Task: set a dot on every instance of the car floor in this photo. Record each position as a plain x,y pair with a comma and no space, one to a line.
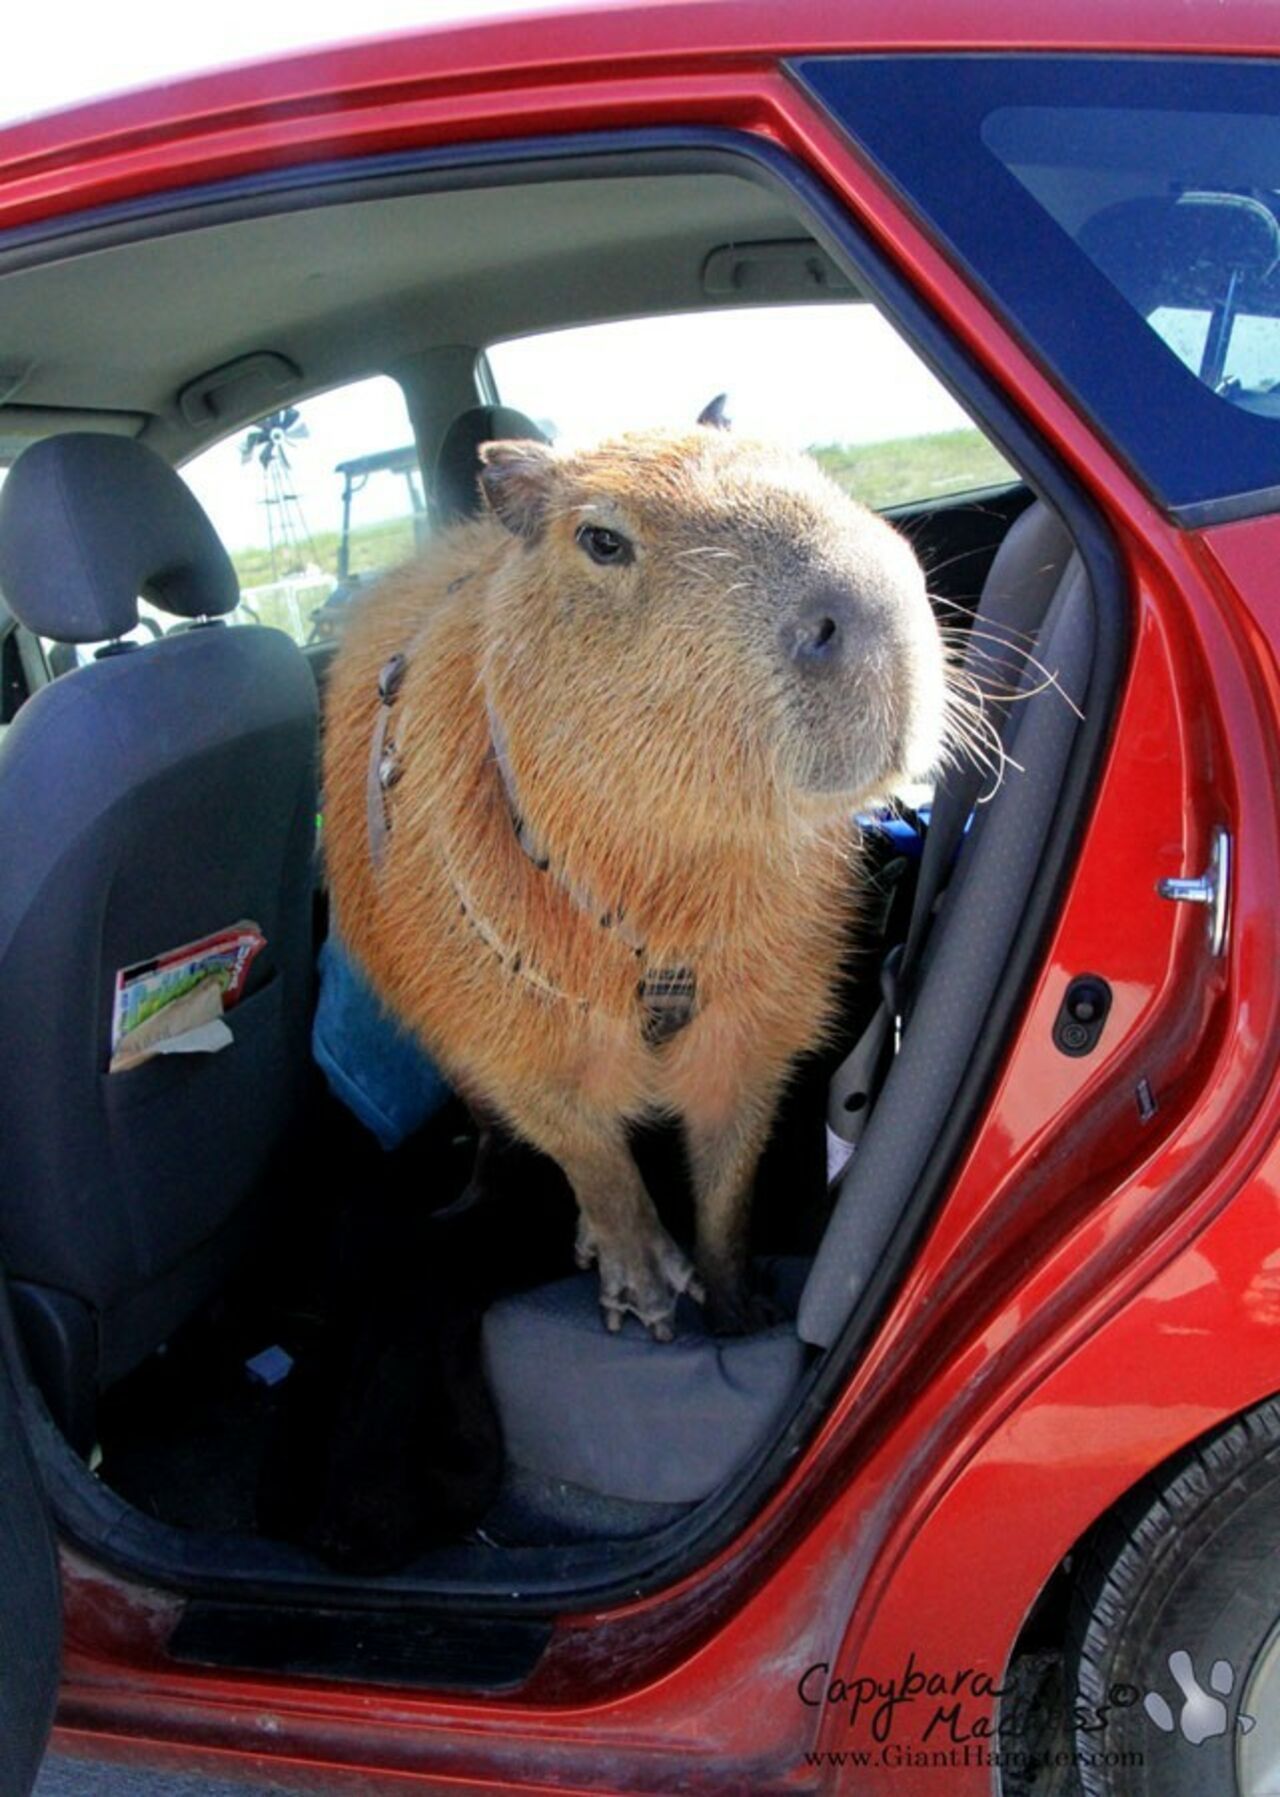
361,1247
185,1438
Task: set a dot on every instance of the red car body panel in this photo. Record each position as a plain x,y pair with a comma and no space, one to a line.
1096,1291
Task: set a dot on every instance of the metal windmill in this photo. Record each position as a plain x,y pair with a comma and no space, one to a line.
288,538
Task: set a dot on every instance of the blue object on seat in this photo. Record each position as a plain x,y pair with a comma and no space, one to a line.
372,1063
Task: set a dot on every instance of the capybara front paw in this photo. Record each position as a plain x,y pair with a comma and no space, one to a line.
642,1274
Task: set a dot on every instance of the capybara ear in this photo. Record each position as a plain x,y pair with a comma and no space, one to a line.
515,479
713,414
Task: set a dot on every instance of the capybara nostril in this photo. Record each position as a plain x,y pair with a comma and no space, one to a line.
822,637
816,638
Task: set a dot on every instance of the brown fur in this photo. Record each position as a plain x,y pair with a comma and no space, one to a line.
677,768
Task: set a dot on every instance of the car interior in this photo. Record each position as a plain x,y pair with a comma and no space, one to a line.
164,1227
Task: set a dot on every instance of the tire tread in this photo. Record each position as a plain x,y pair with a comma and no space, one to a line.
1135,1541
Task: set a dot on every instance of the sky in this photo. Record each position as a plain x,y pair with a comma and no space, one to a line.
69,50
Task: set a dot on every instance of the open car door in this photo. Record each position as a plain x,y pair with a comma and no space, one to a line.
30,1608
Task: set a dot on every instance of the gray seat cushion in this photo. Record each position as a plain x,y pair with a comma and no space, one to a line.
624,1417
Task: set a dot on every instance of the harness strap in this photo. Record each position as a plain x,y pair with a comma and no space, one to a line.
667,995
384,762
534,848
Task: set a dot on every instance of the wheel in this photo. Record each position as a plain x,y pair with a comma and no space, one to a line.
1174,1654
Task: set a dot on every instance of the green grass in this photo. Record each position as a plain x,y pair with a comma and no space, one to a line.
373,546
907,468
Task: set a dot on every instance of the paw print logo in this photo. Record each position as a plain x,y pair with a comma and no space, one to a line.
1203,1716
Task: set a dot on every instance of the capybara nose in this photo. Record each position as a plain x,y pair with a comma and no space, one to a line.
816,637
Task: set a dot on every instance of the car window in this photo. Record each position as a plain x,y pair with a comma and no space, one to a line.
1125,213
834,379
312,500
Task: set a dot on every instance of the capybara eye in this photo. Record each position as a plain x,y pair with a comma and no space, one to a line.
608,547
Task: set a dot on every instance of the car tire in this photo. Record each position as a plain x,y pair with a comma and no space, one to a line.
1174,1637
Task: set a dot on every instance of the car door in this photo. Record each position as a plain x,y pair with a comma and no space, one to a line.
692,1662
30,1608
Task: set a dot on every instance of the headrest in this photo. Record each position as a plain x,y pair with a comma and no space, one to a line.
87,523
457,491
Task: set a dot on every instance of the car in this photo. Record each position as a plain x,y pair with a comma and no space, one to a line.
993,1502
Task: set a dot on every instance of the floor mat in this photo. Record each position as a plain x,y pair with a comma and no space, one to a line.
183,1438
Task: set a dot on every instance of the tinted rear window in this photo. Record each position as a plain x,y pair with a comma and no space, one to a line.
1125,215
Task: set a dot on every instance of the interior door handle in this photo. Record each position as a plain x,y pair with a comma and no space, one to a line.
1211,888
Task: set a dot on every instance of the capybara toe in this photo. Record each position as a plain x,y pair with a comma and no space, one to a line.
644,1278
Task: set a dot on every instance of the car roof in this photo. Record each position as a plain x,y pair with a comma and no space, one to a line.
620,38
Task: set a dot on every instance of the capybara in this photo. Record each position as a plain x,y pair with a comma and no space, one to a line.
590,771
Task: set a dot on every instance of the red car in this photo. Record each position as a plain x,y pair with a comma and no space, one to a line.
993,1507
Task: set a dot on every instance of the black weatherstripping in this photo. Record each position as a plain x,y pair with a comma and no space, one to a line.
101,1522
927,121
380,1647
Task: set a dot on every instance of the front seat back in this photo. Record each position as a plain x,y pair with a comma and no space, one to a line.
148,799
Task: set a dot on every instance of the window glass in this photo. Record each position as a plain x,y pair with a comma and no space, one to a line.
1125,213
313,500
1185,329
1200,263
836,380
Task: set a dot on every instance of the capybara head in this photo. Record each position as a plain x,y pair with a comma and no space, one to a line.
664,577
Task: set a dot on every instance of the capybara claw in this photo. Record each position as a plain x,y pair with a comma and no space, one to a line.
642,1278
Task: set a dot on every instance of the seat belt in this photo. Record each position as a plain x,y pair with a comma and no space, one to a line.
859,1076
1038,546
